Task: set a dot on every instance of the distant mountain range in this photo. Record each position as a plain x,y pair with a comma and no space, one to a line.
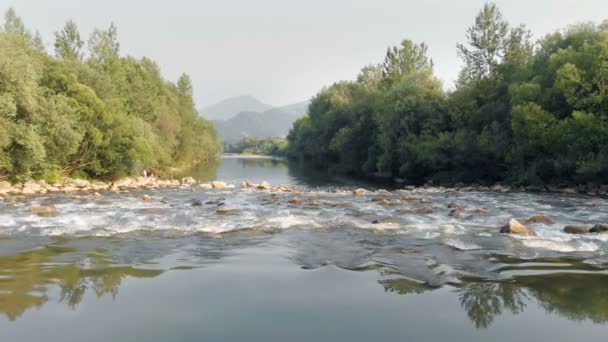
245,116
228,108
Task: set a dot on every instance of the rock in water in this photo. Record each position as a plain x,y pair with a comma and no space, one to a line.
146,198
546,219
227,211
264,186
44,210
188,181
599,228
514,227
219,185
576,229
360,192
457,213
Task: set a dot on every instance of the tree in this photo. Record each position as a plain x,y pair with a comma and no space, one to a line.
13,23
104,46
486,44
68,44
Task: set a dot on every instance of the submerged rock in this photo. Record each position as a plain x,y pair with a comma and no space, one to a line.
196,203
228,212
146,198
576,229
515,227
44,210
482,211
599,228
546,219
457,213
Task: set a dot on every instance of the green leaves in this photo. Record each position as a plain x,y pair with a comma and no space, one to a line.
520,112
108,116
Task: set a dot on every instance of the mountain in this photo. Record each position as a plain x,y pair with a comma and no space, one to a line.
274,122
228,108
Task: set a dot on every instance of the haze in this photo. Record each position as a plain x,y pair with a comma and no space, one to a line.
284,51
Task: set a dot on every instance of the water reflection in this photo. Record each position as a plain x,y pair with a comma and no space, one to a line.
575,296
25,278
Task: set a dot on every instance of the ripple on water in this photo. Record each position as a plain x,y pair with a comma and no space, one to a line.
355,230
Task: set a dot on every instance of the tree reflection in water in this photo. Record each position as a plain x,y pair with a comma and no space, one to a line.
575,296
25,278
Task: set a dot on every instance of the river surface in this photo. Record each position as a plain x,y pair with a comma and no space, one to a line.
317,264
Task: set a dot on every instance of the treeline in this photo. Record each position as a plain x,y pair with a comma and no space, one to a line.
91,112
523,112
267,147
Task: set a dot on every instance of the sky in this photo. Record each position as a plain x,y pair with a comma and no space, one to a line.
285,51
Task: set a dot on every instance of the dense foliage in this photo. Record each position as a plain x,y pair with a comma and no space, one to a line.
267,147
522,111
94,114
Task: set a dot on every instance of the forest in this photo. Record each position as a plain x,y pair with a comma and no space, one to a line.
86,111
267,146
522,111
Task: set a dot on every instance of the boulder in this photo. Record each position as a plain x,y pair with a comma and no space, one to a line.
545,219
219,185
206,186
514,227
360,192
248,184
31,187
576,229
264,186
599,228
44,210
188,181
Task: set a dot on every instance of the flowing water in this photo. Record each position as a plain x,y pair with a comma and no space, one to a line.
317,264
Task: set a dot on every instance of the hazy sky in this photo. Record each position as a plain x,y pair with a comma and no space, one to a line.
284,51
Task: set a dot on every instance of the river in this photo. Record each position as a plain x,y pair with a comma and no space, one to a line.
313,265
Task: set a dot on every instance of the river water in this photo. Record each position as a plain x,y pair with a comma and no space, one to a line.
314,265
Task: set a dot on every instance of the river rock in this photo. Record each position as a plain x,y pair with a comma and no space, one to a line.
196,203
205,186
248,184
123,183
44,210
457,213
264,186
360,192
146,198
599,228
514,227
77,183
228,212
576,229
342,204
454,205
219,185
188,181
482,211
295,201
546,219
